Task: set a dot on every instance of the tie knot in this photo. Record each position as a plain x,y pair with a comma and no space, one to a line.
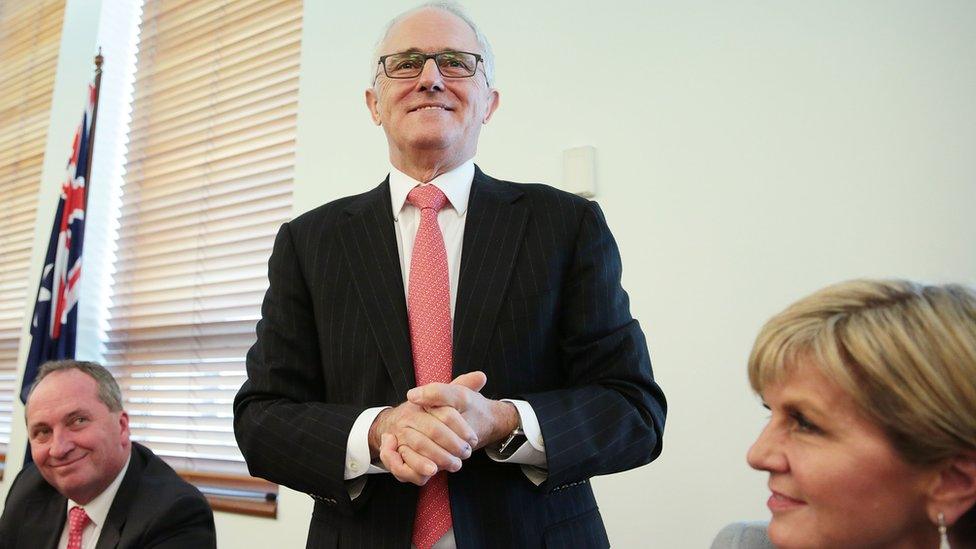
78,518
427,196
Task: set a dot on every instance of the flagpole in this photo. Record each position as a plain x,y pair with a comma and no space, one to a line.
91,132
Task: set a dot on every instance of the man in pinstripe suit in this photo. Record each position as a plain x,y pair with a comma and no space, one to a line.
552,380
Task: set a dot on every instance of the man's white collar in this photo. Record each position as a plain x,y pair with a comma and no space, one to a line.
456,185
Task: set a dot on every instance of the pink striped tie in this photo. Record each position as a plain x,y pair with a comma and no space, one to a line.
429,310
77,520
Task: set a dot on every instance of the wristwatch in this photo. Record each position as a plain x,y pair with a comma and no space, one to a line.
517,436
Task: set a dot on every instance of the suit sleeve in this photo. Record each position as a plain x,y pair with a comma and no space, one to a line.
286,430
609,415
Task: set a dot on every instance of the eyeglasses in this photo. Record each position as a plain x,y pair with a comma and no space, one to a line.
451,64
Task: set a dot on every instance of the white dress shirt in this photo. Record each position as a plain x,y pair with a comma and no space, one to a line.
456,185
97,510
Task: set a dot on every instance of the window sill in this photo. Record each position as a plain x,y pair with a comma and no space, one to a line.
236,493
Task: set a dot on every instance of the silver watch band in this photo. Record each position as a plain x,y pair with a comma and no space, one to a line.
516,432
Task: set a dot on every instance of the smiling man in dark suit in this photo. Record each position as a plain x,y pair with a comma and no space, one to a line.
445,360
89,485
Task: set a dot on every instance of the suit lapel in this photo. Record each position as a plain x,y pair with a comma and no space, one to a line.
492,236
369,242
119,511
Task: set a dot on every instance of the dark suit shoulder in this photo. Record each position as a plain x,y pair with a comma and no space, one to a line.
29,484
333,211
156,507
158,477
31,505
560,215
541,198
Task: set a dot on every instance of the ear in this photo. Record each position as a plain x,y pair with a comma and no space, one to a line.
493,100
954,490
372,103
124,424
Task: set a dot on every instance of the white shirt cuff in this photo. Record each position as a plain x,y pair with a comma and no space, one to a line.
530,425
357,446
531,456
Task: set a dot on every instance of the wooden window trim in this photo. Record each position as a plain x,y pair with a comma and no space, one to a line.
266,506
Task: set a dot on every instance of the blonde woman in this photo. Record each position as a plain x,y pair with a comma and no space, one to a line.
871,441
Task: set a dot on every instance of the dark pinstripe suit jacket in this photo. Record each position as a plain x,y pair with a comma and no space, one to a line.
539,309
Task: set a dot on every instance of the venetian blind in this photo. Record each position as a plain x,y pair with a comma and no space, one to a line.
208,182
30,36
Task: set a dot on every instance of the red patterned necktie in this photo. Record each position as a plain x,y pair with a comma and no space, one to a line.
77,520
429,309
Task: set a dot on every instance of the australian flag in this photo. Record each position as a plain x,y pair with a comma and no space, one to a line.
55,321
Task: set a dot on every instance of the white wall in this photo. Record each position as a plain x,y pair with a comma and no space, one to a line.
747,154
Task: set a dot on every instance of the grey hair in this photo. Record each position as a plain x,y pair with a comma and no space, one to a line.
487,56
108,390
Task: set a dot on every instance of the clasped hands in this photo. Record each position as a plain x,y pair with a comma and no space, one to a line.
439,426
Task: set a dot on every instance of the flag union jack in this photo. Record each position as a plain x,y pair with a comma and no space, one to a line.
54,325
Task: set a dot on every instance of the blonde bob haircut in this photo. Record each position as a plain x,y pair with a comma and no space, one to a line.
905,353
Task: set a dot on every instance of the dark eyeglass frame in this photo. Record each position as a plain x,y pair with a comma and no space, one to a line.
382,62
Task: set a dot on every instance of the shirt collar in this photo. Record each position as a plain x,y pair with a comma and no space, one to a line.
97,509
456,185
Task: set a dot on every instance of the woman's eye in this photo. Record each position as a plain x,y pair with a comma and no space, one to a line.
803,424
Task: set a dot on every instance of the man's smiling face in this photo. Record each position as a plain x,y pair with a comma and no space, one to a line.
78,444
430,114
